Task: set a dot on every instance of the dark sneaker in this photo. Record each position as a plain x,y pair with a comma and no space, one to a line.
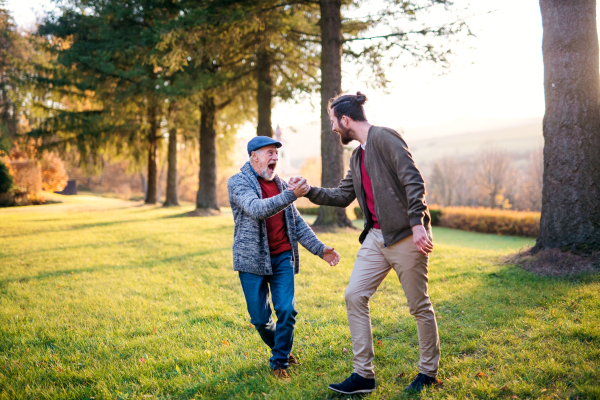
282,374
293,360
354,384
420,382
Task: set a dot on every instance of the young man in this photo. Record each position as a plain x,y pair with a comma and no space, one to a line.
397,235
268,228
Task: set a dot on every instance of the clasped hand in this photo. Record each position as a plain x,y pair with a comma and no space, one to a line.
298,185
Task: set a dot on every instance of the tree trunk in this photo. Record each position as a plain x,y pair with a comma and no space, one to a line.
570,198
331,85
151,191
160,180
171,199
207,187
264,93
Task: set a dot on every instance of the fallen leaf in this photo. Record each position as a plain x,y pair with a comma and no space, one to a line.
503,387
444,279
379,343
459,326
513,397
438,317
305,337
480,375
142,360
344,350
250,326
401,374
543,390
225,342
60,369
155,331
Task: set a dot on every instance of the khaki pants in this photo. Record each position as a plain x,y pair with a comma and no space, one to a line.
373,263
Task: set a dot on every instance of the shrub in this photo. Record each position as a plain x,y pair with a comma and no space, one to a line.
6,180
435,214
487,220
308,210
54,176
6,186
358,212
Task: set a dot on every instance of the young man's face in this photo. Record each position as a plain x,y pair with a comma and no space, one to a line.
340,127
264,161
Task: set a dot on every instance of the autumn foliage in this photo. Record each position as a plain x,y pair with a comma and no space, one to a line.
54,176
487,220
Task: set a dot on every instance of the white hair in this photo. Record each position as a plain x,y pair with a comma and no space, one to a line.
257,151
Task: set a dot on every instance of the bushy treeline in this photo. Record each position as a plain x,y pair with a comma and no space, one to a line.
134,78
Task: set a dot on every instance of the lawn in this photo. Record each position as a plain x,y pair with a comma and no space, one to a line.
103,299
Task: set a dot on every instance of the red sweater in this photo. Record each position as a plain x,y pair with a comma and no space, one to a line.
276,234
366,181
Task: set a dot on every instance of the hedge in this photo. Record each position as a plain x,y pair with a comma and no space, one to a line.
487,220
308,210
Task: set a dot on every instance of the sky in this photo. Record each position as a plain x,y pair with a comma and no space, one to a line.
496,76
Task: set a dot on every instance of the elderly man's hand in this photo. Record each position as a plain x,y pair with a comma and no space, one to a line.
330,255
299,186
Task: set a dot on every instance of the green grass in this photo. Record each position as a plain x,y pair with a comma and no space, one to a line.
100,299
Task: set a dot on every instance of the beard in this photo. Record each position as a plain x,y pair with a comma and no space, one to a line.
345,135
266,175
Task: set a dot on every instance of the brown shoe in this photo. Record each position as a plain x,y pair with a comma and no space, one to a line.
293,360
281,374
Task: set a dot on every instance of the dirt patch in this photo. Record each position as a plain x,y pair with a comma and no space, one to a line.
555,262
203,212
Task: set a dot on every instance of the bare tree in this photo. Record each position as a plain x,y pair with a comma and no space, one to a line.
494,168
446,181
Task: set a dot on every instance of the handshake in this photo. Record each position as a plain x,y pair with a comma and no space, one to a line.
298,185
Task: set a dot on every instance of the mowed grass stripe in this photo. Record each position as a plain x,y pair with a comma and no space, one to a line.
102,299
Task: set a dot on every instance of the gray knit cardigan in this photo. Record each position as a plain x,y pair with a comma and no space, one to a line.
250,244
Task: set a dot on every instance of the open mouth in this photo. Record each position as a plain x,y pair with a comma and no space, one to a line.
271,167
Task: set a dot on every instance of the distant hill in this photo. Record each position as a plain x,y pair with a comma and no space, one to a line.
460,138
520,139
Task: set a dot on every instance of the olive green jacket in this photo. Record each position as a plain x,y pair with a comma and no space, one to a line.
398,187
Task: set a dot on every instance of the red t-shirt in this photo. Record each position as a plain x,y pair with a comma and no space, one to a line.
276,234
366,181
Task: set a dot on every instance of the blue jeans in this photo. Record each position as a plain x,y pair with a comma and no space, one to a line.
279,337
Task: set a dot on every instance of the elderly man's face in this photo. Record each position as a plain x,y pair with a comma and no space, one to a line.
264,161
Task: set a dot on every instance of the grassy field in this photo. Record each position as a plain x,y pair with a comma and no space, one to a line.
101,299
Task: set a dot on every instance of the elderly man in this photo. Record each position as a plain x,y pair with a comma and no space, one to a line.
268,228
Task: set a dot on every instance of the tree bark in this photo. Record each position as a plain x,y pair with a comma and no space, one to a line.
331,85
151,191
207,187
570,199
171,199
264,93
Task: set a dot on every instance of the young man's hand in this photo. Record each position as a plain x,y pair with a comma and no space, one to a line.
424,245
330,255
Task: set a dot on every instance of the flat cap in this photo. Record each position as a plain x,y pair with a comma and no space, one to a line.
261,141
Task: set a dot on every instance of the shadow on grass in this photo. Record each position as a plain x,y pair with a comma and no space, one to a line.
77,227
146,264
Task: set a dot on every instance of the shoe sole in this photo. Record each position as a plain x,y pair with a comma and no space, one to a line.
354,392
